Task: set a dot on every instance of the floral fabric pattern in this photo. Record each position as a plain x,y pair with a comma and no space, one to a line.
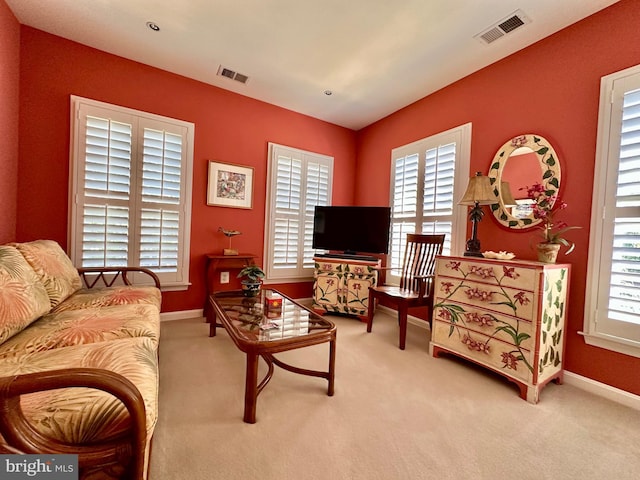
104,297
23,298
54,268
86,415
77,327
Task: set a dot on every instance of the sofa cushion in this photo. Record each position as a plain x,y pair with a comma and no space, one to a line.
86,415
77,327
23,297
54,267
103,297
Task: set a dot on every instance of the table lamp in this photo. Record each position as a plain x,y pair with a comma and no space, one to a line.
479,192
506,195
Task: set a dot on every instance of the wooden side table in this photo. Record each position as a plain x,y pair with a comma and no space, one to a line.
213,263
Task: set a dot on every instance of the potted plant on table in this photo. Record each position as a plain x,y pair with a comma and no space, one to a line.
252,275
546,205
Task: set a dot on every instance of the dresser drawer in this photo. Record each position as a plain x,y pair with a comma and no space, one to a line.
511,330
495,298
505,273
484,349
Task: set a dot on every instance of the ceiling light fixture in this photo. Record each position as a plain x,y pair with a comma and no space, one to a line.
153,26
328,93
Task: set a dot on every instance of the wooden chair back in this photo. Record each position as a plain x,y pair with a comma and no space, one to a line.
419,261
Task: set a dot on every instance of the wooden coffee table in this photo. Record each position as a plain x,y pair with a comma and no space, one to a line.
245,320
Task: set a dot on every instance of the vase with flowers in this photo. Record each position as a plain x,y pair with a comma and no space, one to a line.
545,206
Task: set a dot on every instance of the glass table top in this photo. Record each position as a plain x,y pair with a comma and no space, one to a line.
269,316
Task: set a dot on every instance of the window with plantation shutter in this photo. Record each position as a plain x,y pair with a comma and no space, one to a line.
130,199
298,181
427,177
613,301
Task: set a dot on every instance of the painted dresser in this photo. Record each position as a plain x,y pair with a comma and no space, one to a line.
341,285
508,316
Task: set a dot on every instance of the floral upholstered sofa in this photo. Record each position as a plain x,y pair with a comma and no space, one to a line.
78,360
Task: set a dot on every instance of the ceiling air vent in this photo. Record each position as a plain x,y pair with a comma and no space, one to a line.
504,26
227,72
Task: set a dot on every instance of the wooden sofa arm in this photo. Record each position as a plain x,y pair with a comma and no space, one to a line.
109,275
21,437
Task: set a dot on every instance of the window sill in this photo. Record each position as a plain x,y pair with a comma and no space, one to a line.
175,287
615,344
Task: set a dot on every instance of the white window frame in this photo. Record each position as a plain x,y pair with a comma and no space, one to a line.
599,330
80,107
461,136
300,272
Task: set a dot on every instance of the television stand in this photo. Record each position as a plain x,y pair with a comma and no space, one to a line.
341,283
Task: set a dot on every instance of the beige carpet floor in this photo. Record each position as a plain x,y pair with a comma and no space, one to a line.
395,415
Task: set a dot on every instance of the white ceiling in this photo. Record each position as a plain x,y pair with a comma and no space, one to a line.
376,56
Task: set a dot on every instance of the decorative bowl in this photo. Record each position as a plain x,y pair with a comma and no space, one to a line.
502,255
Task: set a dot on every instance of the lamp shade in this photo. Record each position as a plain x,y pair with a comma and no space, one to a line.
507,196
478,191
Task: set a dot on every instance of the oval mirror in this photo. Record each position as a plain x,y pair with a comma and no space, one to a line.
520,163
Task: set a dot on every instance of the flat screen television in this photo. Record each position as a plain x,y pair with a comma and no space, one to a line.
351,230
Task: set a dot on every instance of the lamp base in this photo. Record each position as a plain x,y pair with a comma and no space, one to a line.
473,246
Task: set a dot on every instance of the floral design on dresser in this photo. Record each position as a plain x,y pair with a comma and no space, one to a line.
490,293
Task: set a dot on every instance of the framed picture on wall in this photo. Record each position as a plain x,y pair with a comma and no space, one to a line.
230,185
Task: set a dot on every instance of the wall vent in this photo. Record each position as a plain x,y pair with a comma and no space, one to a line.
504,26
227,72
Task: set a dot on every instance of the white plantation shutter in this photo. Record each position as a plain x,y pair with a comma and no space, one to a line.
624,297
613,301
131,190
299,181
404,208
439,201
161,206
424,190
316,193
287,211
107,177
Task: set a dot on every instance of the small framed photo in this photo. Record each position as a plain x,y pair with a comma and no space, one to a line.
230,185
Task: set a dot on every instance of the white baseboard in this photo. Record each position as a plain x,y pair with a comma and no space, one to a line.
603,390
597,388
181,315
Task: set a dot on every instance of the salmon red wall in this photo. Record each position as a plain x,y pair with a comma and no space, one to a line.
228,128
9,95
552,89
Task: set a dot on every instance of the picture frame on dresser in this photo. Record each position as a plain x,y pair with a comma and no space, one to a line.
229,185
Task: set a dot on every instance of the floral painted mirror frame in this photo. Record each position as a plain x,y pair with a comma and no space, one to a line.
550,176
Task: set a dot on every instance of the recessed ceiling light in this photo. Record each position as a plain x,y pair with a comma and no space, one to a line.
328,92
153,26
